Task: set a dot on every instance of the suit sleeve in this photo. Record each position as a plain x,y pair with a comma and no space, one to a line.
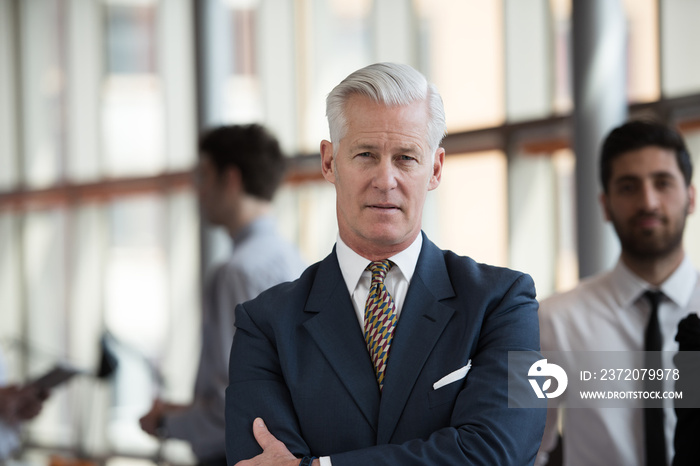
257,389
483,429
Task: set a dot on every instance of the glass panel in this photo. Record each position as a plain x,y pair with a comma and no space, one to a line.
243,94
567,254
277,68
395,31
680,44
528,59
43,76
336,43
471,207
136,314
181,352
472,87
89,396
8,140
152,309
542,221
45,294
85,71
133,124
691,239
531,202
563,62
176,62
11,339
306,216
643,44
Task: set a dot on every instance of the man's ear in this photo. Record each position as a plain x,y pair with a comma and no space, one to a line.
691,199
327,162
438,162
605,205
232,179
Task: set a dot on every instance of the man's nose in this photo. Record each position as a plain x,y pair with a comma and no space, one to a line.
385,175
650,196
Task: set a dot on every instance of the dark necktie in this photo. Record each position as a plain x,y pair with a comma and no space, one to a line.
654,416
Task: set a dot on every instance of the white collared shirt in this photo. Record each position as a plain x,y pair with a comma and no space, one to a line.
609,313
358,279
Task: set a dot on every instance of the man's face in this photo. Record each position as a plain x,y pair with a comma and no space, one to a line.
382,171
647,202
212,192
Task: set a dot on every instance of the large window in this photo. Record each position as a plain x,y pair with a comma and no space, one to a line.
99,229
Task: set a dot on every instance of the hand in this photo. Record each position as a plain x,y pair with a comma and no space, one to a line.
275,453
20,404
31,400
150,422
9,398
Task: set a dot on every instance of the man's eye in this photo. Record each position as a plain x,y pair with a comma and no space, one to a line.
364,154
406,158
625,188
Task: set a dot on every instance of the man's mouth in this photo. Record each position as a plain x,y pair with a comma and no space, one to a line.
648,221
386,207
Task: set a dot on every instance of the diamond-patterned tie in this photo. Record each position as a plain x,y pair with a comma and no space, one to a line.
380,318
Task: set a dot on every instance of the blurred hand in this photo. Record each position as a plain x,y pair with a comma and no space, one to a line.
31,400
150,422
9,397
20,404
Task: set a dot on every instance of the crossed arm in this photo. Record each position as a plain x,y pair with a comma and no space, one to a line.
274,453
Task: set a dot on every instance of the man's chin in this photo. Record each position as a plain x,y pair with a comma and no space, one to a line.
386,237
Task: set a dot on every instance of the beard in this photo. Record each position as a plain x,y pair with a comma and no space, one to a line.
649,244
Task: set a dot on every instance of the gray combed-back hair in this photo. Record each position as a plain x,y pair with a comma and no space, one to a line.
392,84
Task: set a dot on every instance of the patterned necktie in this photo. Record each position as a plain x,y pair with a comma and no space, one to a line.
655,440
380,318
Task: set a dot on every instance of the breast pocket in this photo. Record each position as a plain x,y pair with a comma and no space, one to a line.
445,394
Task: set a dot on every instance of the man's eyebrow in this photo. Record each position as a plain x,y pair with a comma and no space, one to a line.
626,178
363,146
630,177
409,149
373,147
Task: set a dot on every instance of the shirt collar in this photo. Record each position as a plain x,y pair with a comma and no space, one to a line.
352,265
678,287
264,223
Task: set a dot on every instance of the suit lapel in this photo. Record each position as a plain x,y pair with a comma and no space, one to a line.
337,333
423,319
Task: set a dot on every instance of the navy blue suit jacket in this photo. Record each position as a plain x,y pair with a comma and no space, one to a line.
300,362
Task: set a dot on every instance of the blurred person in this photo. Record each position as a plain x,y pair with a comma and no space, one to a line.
390,351
239,170
17,404
646,173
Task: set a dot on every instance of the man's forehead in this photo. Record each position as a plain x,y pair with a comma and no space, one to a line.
645,161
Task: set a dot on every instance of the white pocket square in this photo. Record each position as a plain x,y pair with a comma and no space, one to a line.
459,374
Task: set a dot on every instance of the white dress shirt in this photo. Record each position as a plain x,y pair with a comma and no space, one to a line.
609,313
358,280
